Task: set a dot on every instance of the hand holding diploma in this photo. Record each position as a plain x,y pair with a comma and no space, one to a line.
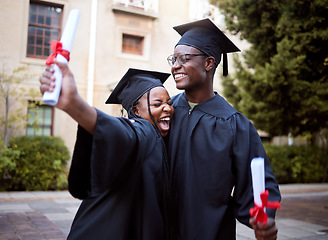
69,99
61,54
264,227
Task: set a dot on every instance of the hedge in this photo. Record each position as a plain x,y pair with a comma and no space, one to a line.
41,165
298,164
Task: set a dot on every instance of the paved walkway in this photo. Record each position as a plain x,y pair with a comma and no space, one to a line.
49,215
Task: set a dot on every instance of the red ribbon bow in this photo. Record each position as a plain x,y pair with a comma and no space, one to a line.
57,47
259,212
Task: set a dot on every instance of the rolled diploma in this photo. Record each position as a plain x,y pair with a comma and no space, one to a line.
51,98
257,169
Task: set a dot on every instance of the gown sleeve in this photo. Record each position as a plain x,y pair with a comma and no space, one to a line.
104,160
247,145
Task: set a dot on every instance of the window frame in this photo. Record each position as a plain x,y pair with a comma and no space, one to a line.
136,51
44,26
40,126
145,34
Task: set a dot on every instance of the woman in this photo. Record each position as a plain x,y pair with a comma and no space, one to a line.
119,166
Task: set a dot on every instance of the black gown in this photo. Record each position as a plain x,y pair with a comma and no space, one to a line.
210,149
118,174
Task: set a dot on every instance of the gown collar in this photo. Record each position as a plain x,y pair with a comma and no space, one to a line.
216,106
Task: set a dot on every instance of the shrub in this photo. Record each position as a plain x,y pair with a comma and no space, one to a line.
8,158
41,164
298,164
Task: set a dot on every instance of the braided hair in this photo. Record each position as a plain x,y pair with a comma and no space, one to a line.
170,226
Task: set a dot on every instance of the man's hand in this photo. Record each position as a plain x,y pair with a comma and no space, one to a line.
266,231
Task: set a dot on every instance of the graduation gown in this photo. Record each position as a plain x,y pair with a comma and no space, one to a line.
118,174
210,150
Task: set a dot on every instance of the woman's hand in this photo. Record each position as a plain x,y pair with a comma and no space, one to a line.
69,99
68,94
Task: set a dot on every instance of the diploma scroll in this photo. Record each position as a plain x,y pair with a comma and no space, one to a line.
258,179
261,202
51,98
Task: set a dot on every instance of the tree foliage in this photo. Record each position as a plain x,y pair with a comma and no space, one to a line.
13,93
281,83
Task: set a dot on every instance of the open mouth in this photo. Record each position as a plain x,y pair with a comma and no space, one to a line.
164,123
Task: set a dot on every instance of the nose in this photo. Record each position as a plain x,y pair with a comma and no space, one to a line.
167,108
176,64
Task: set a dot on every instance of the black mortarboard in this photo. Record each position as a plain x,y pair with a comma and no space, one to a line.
134,84
208,38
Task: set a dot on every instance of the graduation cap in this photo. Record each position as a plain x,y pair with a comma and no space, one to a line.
208,38
134,84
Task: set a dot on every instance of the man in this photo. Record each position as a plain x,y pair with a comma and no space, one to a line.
211,145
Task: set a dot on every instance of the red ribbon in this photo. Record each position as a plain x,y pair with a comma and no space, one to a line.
57,47
258,212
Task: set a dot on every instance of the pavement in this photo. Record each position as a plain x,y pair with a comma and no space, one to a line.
49,215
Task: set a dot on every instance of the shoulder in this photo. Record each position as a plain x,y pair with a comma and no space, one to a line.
143,128
179,100
122,127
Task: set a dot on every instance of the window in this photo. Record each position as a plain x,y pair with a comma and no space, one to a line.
44,26
132,44
39,121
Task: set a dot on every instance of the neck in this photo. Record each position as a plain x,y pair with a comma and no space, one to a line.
199,95
202,91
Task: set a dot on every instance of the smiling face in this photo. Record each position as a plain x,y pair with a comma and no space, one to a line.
160,107
191,74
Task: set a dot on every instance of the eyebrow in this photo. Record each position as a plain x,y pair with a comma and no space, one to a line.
182,53
159,100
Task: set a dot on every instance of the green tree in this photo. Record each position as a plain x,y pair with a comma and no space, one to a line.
11,93
281,83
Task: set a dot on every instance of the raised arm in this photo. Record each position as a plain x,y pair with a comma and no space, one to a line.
69,100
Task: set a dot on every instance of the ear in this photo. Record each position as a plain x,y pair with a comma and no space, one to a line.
135,109
209,63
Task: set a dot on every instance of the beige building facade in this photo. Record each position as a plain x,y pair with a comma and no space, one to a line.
112,36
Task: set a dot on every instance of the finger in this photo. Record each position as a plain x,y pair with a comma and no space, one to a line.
269,224
266,233
46,88
50,69
47,80
47,84
47,75
62,66
252,222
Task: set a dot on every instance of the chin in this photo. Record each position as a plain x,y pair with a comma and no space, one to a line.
180,87
164,134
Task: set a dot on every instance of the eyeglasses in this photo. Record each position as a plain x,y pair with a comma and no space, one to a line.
181,58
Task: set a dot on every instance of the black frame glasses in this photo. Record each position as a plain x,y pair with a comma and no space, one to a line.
181,58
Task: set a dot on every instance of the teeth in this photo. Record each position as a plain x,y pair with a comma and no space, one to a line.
165,119
179,75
